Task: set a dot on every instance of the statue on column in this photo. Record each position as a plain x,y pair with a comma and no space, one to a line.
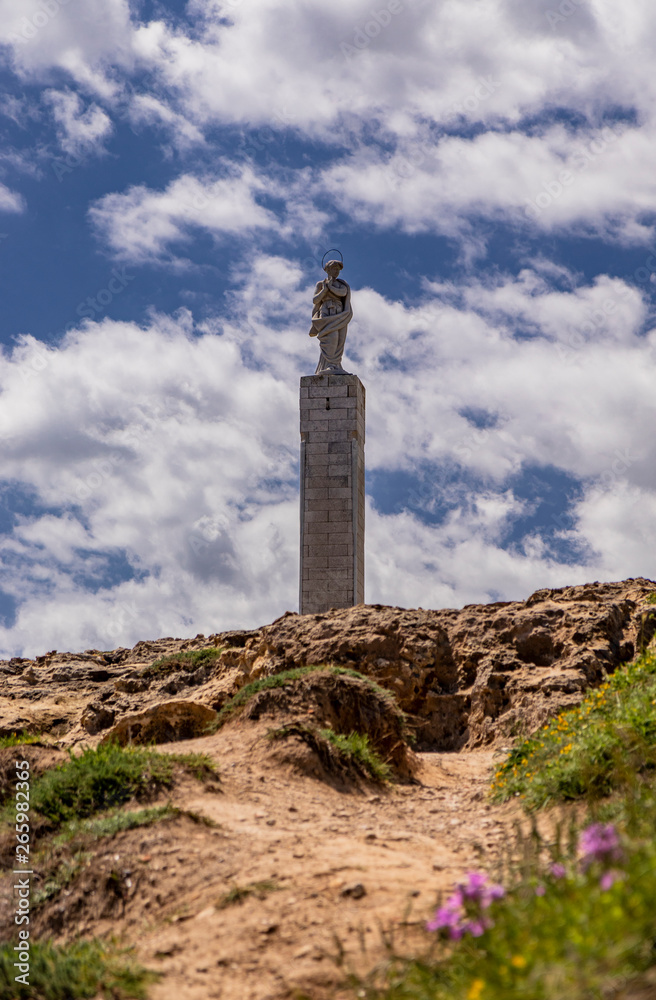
330,318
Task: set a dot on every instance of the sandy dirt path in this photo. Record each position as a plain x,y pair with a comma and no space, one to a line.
346,865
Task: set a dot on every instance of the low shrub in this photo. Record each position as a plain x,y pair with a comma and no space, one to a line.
588,751
82,969
356,747
109,776
190,660
19,739
114,822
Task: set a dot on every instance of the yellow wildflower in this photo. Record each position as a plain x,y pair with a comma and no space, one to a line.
475,989
518,961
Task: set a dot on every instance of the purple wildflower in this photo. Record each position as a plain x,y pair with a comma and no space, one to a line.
447,916
558,870
475,927
475,885
479,890
599,842
608,879
463,911
495,892
540,890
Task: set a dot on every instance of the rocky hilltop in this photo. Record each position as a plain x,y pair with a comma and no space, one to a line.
274,877
466,678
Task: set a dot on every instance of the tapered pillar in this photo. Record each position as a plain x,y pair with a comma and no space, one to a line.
332,492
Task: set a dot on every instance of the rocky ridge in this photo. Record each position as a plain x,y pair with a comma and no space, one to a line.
351,863
466,678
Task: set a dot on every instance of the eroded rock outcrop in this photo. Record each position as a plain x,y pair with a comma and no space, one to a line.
473,676
470,677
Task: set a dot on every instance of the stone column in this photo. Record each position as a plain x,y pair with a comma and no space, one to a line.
332,492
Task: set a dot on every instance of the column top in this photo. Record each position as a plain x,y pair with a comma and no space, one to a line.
329,380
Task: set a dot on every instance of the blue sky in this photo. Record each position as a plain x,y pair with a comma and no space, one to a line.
170,177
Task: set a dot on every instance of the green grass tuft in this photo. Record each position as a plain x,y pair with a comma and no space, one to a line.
104,778
99,779
287,677
114,822
191,659
590,750
82,970
239,893
18,739
356,747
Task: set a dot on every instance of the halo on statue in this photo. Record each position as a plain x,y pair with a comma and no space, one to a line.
332,250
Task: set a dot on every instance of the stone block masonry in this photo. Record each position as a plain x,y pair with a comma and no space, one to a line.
332,492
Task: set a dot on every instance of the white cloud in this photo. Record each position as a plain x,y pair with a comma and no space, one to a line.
10,201
87,39
142,224
265,62
594,181
162,460
173,449
421,68
146,109
79,130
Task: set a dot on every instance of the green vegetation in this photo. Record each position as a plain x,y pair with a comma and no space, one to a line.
239,893
18,739
190,660
352,749
58,879
82,969
356,747
570,914
80,832
589,750
114,822
106,777
566,925
287,677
